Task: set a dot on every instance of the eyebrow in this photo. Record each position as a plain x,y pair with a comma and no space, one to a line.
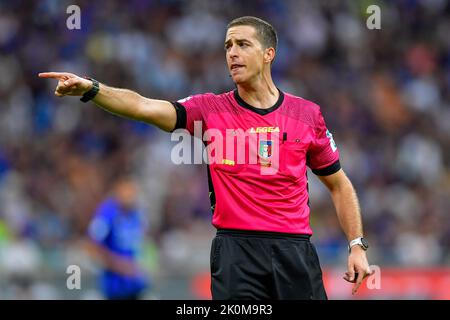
237,40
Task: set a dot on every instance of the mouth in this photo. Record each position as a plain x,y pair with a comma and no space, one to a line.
235,67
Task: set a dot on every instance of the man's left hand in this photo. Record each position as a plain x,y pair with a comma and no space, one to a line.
358,267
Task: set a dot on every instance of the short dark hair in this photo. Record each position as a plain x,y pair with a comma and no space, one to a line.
265,32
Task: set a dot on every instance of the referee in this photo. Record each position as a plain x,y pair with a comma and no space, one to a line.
262,248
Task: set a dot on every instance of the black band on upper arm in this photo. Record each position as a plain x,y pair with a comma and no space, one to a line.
181,115
332,168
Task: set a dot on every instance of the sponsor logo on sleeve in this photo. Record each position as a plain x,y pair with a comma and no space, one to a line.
332,143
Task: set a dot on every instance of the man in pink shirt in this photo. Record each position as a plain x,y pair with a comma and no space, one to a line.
263,139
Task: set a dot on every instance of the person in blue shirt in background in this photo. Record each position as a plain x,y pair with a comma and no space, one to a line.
117,233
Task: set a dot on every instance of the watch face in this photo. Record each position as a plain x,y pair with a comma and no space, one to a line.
365,243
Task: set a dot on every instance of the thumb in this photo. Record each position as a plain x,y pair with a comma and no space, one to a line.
70,82
351,271
351,275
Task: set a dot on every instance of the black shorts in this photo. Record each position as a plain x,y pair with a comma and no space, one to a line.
261,265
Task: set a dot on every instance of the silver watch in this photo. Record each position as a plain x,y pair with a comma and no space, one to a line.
363,243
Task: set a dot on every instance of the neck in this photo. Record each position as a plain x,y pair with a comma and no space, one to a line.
260,94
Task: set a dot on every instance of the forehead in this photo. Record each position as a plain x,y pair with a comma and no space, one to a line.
241,32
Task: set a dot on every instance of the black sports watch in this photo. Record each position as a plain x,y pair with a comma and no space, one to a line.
89,95
363,243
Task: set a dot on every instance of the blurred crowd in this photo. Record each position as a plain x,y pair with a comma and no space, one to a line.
384,94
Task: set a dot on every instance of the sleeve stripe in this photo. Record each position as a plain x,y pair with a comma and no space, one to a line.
332,168
181,116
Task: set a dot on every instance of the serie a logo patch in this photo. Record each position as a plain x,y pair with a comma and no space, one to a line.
332,143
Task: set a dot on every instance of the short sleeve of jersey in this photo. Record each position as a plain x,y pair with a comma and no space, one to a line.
323,154
100,226
192,110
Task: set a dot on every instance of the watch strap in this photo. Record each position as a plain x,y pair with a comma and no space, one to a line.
89,95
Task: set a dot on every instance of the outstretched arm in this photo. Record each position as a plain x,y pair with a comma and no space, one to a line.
122,102
348,212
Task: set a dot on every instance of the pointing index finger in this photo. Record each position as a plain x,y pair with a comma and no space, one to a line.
359,280
53,75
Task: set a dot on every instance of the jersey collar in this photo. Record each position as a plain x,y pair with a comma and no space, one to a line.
259,111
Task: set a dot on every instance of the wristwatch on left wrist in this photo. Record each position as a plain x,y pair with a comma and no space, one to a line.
363,243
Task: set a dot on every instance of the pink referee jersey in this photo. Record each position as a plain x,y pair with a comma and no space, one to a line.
257,168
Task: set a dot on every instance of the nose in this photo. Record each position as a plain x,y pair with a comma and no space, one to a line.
233,51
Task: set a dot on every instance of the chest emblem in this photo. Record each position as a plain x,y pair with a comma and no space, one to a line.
265,152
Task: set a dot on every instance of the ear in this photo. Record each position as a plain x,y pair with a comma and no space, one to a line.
269,55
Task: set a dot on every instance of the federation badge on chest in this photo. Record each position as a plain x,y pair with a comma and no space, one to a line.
265,152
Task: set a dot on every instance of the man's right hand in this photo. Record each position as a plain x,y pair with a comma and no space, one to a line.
69,84
122,102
